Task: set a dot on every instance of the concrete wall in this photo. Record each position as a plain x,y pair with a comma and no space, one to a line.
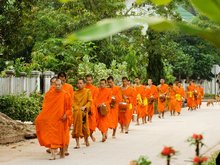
25,84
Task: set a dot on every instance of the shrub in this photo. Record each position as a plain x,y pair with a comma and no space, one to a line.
212,159
21,107
209,96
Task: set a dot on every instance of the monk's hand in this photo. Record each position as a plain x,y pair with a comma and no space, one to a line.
64,117
83,108
125,97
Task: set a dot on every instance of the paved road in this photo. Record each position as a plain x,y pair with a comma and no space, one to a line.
142,140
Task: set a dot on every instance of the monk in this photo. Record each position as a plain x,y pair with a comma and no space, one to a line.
200,90
115,99
69,89
52,87
146,94
151,96
102,104
139,107
92,112
81,106
53,81
180,96
191,96
53,122
128,96
172,99
162,92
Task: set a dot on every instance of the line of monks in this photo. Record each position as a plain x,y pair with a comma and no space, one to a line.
104,107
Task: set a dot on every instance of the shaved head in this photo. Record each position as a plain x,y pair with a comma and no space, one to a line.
58,84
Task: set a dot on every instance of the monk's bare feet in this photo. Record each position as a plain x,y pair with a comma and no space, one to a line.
77,147
52,158
62,153
93,138
53,155
48,151
113,137
103,139
87,144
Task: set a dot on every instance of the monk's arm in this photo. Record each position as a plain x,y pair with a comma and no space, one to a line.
118,96
68,108
89,101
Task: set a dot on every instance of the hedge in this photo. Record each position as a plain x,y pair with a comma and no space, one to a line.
21,107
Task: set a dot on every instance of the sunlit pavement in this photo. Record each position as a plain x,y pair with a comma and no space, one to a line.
146,140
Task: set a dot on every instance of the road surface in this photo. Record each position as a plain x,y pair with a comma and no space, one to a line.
146,140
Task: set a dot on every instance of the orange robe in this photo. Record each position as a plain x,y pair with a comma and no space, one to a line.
200,95
179,95
152,92
69,89
147,94
140,109
125,117
113,114
103,96
190,96
51,131
92,113
172,98
162,91
82,98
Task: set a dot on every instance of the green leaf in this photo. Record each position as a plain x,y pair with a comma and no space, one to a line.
161,2
210,35
210,8
65,1
139,2
186,16
110,27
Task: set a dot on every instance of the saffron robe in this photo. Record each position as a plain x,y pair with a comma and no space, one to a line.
140,108
125,117
152,93
172,98
113,114
51,131
92,113
82,98
162,91
179,95
190,96
103,96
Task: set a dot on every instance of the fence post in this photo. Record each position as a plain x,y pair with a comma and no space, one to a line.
47,75
10,76
23,82
34,82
